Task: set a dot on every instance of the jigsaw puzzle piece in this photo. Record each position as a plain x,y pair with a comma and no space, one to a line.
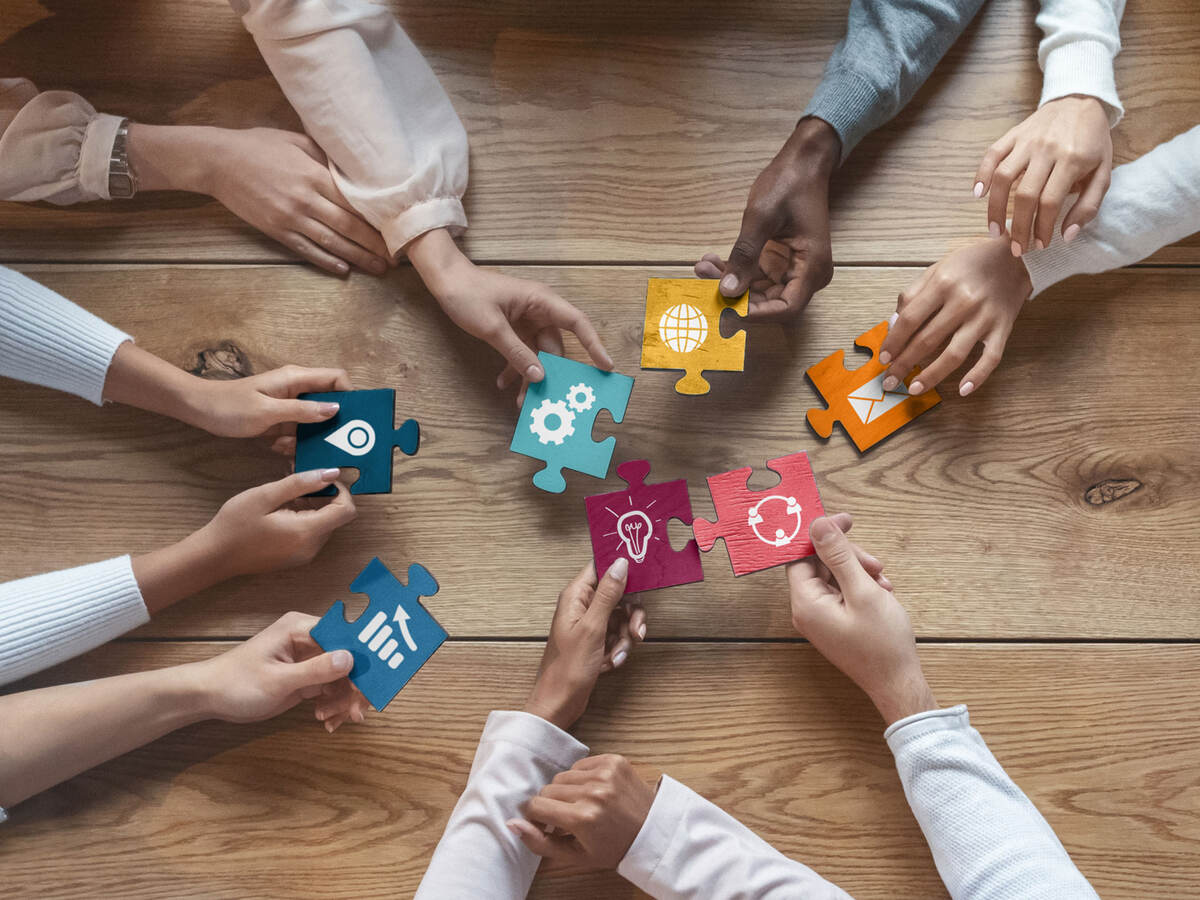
556,419
682,330
633,524
856,397
393,637
361,436
762,529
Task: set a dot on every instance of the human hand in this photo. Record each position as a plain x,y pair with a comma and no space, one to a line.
972,296
277,181
597,807
1064,147
275,670
592,632
259,531
782,254
855,622
516,317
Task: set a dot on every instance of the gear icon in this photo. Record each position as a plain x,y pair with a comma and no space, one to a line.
566,419
581,397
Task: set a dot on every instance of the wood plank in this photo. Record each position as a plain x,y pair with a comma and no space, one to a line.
604,131
987,511
791,748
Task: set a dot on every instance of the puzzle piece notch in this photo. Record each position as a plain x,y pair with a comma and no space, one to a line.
392,639
837,384
644,510
361,435
697,305
556,419
766,528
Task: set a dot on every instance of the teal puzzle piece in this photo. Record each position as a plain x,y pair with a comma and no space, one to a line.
360,435
556,420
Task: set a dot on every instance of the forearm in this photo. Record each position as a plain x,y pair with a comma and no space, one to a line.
173,157
888,51
138,378
1080,39
57,732
987,839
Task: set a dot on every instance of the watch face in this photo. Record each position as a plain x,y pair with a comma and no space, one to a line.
120,186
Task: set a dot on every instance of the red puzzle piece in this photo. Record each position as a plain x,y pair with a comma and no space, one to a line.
633,524
763,528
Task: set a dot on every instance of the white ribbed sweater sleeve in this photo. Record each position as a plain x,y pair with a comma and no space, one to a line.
478,856
46,339
1080,39
46,619
1153,201
988,840
396,147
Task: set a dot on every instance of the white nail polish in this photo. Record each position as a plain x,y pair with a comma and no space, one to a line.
978,189
966,388
619,658
642,631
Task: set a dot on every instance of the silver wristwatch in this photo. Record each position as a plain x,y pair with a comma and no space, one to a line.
122,182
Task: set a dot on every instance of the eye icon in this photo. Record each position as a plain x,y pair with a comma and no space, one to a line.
356,437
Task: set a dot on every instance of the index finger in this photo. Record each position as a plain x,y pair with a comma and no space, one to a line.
337,512
564,315
305,380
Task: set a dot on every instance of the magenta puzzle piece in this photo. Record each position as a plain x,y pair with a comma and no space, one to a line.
633,524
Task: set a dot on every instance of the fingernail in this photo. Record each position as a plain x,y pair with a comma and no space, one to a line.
518,827
1039,245
329,727
892,319
994,229
978,189
328,409
342,268
341,659
619,658
619,569
890,382
1071,233
330,474
642,631
871,559
916,388
729,284
965,388
320,715
1016,249
885,357
534,372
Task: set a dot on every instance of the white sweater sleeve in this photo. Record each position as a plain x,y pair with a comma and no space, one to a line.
518,755
690,849
396,147
988,840
46,619
46,339
1079,40
1153,201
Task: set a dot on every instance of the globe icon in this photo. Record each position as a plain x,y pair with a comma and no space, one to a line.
683,328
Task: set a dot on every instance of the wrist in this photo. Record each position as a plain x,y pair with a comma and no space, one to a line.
172,157
558,706
167,575
138,378
437,259
814,146
191,692
905,696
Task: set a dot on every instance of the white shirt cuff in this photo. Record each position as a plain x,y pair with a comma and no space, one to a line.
657,834
1082,67
918,725
535,735
440,212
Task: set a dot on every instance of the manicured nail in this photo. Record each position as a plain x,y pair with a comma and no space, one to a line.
965,388
330,474
642,631
329,726
994,229
320,715
619,569
916,388
519,827
619,658
342,268
1039,245
328,409
534,372
1016,249
729,284
1071,233
890,382
892,319
885,357
978,189
342,660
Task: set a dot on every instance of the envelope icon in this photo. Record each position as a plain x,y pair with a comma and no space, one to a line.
871,401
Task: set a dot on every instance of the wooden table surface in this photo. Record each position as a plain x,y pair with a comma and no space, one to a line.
1044,534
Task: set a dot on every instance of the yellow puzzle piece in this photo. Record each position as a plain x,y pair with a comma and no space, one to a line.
683,331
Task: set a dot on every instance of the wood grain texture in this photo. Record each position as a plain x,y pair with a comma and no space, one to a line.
600,131
1101,738
1060,501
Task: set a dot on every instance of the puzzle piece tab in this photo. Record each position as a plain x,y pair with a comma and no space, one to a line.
763,528
360,435
393,637
683,331
556,420
856,397
633,523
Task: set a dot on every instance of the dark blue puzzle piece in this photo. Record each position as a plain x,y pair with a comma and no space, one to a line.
360,436
393,637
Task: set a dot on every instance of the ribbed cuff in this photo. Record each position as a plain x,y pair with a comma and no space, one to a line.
95,153
1082,67
46,619
1050,266
916,726
440,212
534,734
658,833
845,100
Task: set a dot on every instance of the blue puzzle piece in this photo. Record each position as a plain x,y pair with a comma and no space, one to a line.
556,420
360,435
393,637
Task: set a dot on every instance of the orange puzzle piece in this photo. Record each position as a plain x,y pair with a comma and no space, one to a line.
856,398
683,331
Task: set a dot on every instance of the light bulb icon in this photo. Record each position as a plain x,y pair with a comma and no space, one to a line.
356,437
634,529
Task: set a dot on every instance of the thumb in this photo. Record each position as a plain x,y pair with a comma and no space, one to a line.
743,258
319,670
301,410
550,846
609,592
518,354
277,493
839,555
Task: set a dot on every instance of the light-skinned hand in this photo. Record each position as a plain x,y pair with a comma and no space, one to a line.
597,807
857,624
592,632
1063,148
971,297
